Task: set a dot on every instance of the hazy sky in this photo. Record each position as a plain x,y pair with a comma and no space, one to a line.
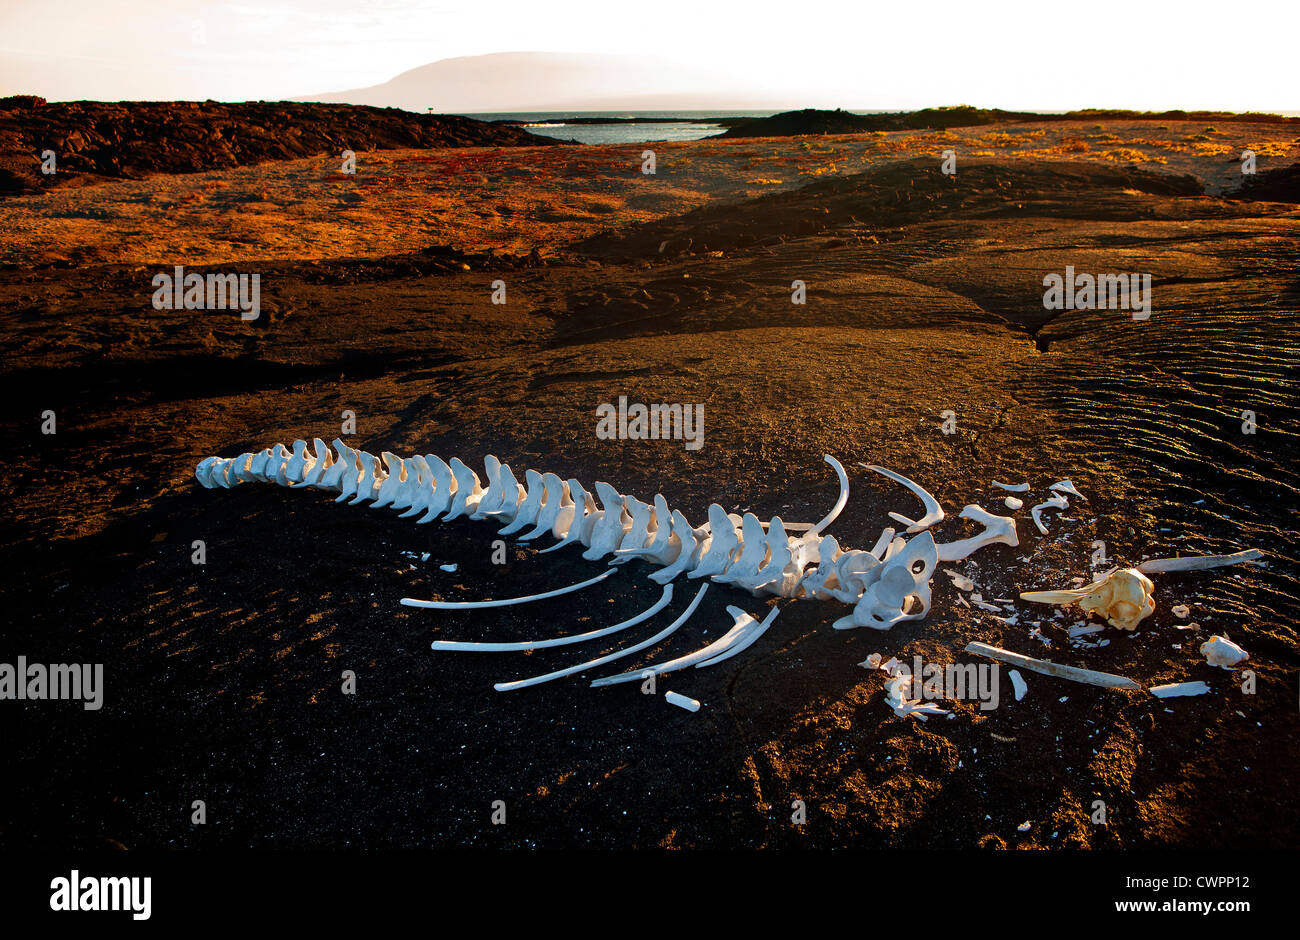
1149,54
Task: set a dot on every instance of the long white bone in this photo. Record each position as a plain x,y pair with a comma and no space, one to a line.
665,598
740,637
1058,501
505,602
617,654
1198,562
933,512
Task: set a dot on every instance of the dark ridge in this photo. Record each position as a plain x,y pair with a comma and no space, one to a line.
813,121
1280,185
98,140
893,195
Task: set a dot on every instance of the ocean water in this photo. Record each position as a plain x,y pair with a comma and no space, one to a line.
553,124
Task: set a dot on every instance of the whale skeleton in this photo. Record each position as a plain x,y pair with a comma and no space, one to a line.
886,585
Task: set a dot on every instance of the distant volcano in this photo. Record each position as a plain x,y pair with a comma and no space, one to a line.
557,81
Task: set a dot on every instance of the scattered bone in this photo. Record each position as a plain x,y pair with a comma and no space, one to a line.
1222,652
1073,673
1081,629
1181,611
450,569
681,701
997,529
959,581
1018,683
1179,689
978,601
1187,626
1065,486
1012,503
1012,487
933,512
1198,562
1056,502
1122,598
896,692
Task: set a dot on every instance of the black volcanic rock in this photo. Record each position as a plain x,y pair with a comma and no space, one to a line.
1280,185
95,140
813,121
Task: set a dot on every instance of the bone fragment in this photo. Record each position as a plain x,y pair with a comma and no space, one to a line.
681,701
1198,562
1073,673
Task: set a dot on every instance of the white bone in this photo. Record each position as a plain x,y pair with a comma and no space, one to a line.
664,598
1222,652
512,494
415,494
617,654
638,532
203,472
555,497
902,578
333,475
687,542
1012,503
293,469
574,523
741,636
933,512
1198,562
882,544
1056,502
997,529
610,528
320,462
1012,487
438,493
367,485
681,701
392,482
1087,676
753,552
507,602
1177,689
1065,486
530,507
659,549
721,545
492,496
469,490
351,477
781,573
